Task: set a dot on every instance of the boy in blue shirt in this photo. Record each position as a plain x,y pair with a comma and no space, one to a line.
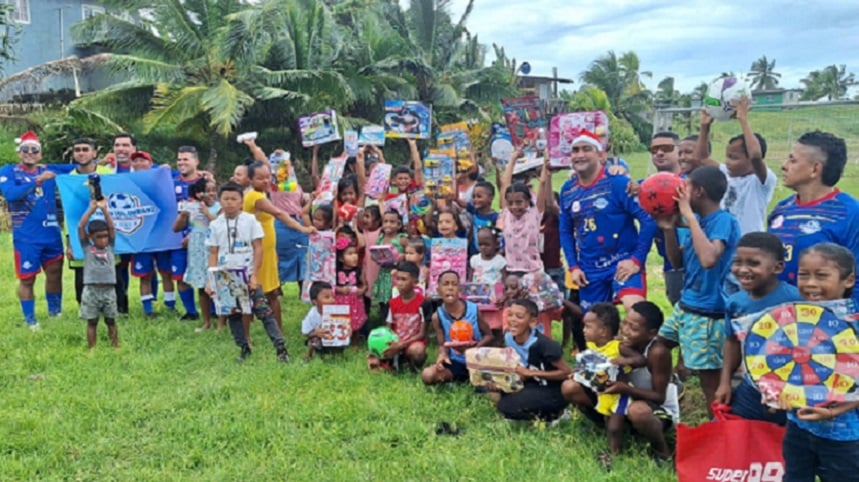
757,264
697,323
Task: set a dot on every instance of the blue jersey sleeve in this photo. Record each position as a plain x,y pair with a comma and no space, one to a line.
566,230
646,225
850,240
14,187
61,168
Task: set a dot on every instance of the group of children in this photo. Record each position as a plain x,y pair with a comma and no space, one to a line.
415,296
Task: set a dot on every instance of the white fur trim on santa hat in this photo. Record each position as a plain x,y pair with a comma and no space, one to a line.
587,140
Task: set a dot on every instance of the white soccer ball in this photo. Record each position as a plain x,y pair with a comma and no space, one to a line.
722,96
119,201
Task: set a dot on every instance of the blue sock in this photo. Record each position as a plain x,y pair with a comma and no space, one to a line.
29,309
154,285
147,303
170,299
55,303
187,297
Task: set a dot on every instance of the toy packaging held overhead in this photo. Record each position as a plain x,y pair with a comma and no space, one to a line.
350,142
446,255
524,116
455,141
439,172
328,181
594,370
802,353
378,181
336,323
287,181
494,366
407,119
564,128
500,144
318,128
372,136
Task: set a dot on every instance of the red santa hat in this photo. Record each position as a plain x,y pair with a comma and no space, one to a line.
588,137
28,138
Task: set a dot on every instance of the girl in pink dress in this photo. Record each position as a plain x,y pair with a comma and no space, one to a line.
350,284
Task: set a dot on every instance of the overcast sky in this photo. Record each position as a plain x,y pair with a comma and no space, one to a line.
692,40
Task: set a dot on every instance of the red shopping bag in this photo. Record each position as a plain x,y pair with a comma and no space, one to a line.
730,449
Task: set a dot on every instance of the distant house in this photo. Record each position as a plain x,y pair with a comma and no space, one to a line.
45,37
775,97
545,88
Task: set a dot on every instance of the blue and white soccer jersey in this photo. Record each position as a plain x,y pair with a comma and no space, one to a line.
36,235
597,228
833,218
179,257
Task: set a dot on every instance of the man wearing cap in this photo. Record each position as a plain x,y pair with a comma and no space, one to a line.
30,191
144,265
84,154
604,250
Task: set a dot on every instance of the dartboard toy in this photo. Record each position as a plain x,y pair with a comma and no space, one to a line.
803,354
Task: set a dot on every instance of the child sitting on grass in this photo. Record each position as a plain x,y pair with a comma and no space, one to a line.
321,294
99,293
405,318
450,364
543,368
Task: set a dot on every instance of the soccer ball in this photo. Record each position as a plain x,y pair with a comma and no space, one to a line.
119,201
657,193
461,331
722,95
380,339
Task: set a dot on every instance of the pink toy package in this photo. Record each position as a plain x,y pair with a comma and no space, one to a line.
564,128
446,255
328,181
321,261
378,181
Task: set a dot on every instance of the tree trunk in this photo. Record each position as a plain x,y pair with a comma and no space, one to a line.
213,152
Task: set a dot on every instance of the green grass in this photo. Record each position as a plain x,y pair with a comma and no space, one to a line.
174,405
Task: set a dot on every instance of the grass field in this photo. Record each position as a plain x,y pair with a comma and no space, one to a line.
173,405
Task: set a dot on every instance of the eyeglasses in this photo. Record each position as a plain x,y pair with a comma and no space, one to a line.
81,149
585,148
30,150
663,148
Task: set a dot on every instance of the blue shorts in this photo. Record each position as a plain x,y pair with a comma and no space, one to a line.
179,263
459,371
144,264
291,253
31,256
700,337
604,288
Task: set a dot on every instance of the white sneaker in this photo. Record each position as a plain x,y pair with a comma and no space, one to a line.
565,416
34,327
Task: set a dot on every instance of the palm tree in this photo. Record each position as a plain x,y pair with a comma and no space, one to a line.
200,64
763,75
666,96
620,79
832,82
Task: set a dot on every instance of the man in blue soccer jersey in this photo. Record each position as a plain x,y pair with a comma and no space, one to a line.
124,145
819,211
31,193
187,162
604,250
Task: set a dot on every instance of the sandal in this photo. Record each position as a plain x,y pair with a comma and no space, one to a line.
605,460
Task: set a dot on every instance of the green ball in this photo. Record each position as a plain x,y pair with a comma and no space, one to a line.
380,339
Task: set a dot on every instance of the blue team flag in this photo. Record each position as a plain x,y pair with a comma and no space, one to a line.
142,205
